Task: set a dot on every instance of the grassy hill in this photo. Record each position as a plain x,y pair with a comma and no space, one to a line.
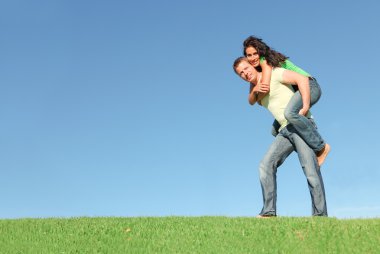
190,235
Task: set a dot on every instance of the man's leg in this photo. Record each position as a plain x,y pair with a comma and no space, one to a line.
276,155
312,172
275,127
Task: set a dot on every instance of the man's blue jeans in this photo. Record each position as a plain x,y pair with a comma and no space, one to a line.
304,128
284,144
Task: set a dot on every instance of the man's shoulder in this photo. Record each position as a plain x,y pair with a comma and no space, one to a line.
277,74
278,70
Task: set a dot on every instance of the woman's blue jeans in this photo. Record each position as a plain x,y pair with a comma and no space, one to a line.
304,128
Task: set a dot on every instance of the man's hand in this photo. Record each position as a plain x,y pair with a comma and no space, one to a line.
304,111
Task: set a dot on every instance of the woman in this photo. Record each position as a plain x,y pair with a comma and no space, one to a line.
263,58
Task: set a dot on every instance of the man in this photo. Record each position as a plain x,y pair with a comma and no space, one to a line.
286,141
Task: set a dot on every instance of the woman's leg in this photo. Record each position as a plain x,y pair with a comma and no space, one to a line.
304,128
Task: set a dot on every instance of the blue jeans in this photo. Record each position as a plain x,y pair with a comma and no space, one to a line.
284,144
304,128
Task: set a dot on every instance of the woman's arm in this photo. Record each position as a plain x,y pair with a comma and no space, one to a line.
257,93
294,78
266,72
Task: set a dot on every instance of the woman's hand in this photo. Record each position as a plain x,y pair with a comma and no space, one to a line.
261,88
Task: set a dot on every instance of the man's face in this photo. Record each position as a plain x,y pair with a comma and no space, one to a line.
252,56
246,71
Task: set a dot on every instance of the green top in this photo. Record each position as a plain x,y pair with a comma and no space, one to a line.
291,66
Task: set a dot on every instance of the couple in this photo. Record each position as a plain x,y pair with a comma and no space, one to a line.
294,128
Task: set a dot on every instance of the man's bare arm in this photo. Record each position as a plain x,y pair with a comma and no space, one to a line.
294,78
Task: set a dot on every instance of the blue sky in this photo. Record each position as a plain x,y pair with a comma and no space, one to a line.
131,108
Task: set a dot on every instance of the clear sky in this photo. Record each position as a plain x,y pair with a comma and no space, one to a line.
131,108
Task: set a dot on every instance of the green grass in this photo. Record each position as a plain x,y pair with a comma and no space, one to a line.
190,235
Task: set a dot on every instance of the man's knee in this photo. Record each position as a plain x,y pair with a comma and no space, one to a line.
313,179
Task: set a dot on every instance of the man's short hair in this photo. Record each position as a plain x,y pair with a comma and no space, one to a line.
238,61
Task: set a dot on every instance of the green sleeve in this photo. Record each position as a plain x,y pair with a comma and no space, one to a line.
292,67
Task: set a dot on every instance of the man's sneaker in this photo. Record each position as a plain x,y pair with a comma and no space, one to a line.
321,156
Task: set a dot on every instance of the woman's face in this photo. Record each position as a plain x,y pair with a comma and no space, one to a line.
252,56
